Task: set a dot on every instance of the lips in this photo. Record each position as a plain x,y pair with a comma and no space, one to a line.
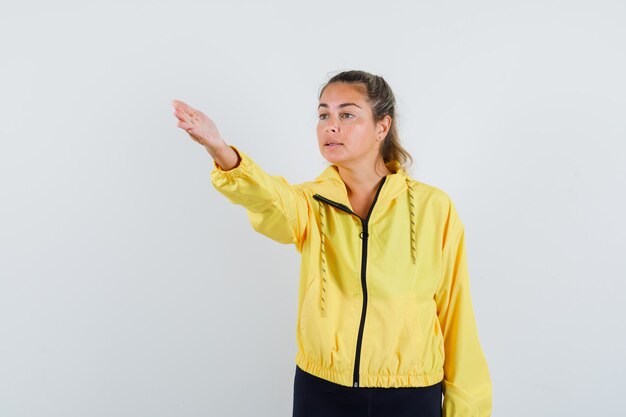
333,144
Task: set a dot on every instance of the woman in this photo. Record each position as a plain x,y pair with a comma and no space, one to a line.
385,320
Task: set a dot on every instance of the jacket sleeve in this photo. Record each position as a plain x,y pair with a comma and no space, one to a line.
275,208
467,384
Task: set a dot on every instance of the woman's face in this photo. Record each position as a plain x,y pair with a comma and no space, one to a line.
346,131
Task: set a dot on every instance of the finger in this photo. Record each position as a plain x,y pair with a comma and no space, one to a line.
189,115
181,116
185,126
184,107
192,133
184,117
178,104
190,130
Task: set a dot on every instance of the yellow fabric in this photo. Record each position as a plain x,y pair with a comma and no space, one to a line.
419,325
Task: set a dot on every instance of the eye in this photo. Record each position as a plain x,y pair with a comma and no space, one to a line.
347,115
322,116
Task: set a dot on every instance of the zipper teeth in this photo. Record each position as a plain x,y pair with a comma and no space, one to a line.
359,342
364,236
364,285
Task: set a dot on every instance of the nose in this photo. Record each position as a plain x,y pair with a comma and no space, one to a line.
331,125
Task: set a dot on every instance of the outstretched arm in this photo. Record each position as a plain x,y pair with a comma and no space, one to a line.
275,208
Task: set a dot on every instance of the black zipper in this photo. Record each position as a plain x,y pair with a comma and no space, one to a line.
363,235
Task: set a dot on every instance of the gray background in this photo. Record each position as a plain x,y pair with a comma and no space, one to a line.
130,287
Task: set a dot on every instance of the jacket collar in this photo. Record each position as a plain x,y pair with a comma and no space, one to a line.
330,185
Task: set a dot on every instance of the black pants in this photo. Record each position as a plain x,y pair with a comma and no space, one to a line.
317,397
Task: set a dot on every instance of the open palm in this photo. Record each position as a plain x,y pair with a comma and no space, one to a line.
199,126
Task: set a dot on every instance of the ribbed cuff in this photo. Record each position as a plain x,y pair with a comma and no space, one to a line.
239,170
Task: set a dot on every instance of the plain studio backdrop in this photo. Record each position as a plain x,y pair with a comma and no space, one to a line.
130,287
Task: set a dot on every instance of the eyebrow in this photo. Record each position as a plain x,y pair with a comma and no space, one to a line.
340,106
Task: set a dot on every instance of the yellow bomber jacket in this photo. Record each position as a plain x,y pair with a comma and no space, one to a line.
383,301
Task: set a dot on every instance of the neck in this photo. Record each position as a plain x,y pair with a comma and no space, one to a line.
364,178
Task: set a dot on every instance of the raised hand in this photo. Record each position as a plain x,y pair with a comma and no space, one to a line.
197,124
204,131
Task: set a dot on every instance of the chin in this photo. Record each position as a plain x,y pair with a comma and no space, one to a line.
333,159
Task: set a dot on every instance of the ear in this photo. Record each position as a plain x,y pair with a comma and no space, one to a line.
382,127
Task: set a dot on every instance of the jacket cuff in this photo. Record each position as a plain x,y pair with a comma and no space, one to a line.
241,169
